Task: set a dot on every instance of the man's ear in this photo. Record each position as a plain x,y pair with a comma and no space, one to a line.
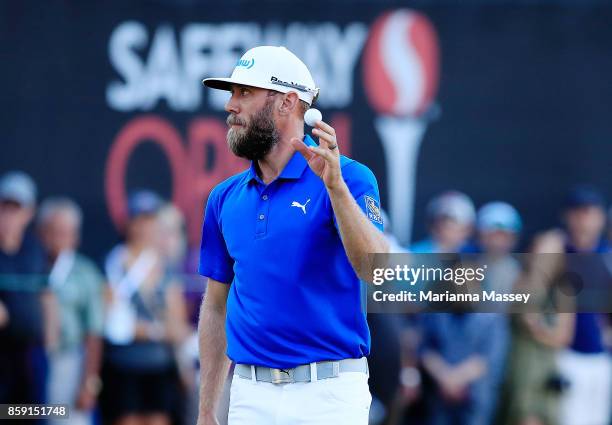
289,103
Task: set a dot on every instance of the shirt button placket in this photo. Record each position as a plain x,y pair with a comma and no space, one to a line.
262,215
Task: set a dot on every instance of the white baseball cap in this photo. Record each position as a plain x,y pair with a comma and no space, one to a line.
454,205
273,68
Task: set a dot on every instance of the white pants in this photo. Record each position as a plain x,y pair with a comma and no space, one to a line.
344,400
65,369
587,400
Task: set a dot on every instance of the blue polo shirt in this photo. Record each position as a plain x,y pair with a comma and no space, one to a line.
294,297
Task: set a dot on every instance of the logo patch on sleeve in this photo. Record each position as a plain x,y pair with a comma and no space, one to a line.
373,209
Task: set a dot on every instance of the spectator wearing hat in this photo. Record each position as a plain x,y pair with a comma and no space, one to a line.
498,227
145,319
451,220
451,216
586,364
74,361
25,302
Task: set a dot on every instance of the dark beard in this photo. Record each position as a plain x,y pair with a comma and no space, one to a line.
259,137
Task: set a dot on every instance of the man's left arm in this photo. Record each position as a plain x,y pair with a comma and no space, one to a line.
359,235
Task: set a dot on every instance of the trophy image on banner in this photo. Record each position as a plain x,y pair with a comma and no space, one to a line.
400,73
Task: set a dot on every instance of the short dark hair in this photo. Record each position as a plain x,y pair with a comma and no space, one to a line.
304,106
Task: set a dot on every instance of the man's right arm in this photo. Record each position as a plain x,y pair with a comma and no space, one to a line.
214,363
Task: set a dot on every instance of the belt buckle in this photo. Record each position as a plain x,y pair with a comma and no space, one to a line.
281,376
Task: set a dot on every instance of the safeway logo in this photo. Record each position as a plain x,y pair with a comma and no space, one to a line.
166,64
401,64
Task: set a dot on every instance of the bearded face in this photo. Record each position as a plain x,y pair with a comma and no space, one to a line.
254,140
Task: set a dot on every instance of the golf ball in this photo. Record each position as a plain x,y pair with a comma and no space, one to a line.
312,116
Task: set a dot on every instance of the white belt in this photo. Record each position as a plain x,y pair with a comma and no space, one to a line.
304,373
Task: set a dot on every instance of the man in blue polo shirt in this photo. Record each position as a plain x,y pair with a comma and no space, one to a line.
284,245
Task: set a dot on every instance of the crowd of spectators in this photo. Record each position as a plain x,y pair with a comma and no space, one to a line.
117,341
546,366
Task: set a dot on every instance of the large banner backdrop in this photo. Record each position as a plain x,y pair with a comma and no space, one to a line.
504,103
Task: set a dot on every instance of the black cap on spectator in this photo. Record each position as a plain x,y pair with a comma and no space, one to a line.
143,202
584,196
